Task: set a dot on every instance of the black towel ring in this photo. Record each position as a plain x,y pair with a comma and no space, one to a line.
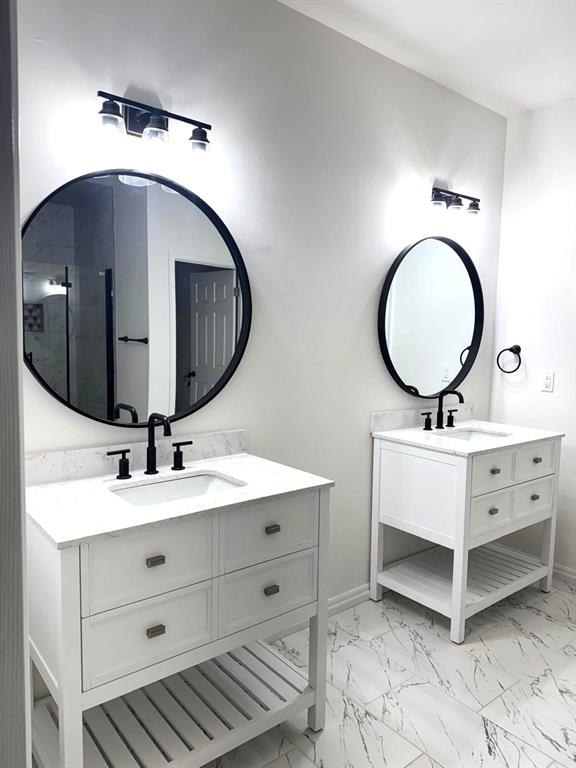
515,349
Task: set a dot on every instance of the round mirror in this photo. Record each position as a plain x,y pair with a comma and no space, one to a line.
430,317
136,298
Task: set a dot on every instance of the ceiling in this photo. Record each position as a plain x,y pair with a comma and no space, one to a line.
508,55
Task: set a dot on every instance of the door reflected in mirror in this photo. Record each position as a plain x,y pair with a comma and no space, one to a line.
430,317
136,298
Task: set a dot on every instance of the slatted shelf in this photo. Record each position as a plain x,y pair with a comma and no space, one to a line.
187,719
494,572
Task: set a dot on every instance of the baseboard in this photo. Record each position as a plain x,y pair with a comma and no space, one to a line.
335,604
565,573
348,599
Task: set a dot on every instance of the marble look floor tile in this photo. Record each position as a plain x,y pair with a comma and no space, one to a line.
424,762
364,670
451,733
293,759
472,681
352,738
294,647
523,651
564,584
528,620
256,753
542,713
367,620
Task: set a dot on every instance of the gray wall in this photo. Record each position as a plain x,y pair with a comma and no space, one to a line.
321,164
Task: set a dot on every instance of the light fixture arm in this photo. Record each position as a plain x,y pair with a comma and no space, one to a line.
153,110
449,194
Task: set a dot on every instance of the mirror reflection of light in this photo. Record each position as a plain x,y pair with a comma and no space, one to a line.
53,287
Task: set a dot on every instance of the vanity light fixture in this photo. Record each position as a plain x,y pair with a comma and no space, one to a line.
146,121
454,200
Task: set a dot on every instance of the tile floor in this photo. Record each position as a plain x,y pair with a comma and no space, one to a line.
401,694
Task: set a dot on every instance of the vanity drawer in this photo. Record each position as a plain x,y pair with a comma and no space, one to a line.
267,590
533,498
118,642
535,461
277,527
491,471
149,561
491,511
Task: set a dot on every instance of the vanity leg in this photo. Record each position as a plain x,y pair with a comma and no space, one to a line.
70,662
377,533
459,588
319,624
548,540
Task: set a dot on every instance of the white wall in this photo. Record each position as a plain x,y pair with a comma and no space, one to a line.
322,159
537,291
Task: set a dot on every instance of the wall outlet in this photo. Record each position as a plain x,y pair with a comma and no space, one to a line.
548,381
445,373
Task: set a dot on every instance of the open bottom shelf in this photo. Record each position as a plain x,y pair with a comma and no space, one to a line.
494,572
187,719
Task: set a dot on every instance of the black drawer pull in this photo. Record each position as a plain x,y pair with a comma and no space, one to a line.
272,529
273,589
535,497
493,511
495,471
152,562
159,629
537,460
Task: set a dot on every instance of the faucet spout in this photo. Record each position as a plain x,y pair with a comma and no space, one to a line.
154,420
440,413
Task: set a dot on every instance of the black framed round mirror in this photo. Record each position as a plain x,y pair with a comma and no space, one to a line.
430,317
135,297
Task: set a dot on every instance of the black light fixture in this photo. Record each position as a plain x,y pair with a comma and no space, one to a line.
454,200
199,139
146,121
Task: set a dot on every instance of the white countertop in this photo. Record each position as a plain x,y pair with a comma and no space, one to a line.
439,440
81,510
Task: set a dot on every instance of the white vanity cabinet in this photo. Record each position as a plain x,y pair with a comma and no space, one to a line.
148,639
463,495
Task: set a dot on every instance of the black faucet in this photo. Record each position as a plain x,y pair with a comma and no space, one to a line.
153,421
125,407
440,414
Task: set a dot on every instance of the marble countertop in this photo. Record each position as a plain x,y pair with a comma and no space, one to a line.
76,511
439,440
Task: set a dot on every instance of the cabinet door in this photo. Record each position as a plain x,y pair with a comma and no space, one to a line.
259,593
118,642
275,527
151,560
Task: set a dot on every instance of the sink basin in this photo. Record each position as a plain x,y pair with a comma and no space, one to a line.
172,489
473,433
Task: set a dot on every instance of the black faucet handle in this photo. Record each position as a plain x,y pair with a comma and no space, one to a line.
123,464
450,419
428,421
178,455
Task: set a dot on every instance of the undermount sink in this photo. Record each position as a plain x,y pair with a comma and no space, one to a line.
473,433
173,489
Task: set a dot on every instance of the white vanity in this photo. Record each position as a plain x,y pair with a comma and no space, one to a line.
148,601
462,489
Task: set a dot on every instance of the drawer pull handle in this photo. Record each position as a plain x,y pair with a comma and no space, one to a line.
535,496
495,471
537,460
272,529
159,629
152,562
493,511
271,590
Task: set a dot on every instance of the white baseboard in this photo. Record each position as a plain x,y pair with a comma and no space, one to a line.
336,604
565,573
348,599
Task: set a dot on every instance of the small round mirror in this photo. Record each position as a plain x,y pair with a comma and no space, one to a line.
430,317
136,298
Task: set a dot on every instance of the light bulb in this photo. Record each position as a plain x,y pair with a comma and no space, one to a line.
156,131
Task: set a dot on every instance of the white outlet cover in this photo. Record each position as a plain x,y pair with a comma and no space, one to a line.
548,381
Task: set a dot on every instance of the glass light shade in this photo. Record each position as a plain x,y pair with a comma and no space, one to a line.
456,205
474,208
135,181
156,131
112,124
